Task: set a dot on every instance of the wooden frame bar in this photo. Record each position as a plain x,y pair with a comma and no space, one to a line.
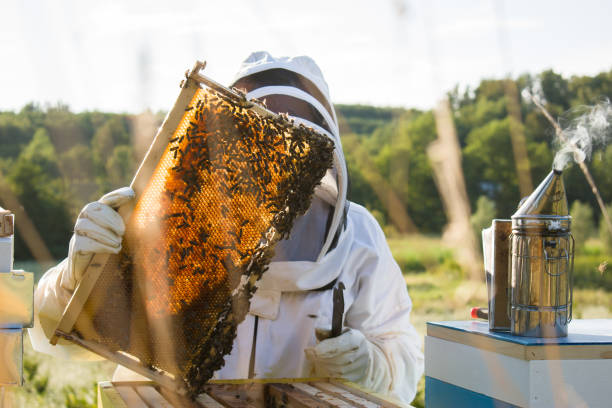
160,377
143,174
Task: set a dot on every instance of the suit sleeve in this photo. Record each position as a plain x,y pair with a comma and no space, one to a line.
381,311
50,299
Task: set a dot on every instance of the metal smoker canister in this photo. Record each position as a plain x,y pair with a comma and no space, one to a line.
542,257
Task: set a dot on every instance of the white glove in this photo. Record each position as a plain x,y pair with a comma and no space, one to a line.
99,229
351,356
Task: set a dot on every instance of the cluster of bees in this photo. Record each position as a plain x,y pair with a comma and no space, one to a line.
229,185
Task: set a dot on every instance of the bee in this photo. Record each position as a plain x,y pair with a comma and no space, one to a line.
173,215
203,235
243,255
239,236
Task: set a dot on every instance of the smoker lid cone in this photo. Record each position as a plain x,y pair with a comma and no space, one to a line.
548,198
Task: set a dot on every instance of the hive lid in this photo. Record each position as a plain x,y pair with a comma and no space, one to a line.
548,198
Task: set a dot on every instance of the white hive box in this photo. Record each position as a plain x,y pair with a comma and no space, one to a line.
468,366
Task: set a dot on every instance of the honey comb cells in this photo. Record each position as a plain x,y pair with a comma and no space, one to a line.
229,185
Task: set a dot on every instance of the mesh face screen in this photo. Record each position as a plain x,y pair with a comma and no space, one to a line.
228,186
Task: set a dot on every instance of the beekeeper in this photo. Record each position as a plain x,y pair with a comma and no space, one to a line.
335,241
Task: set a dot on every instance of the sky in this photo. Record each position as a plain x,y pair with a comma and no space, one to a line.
127,56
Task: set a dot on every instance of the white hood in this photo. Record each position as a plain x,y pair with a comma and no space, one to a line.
301,275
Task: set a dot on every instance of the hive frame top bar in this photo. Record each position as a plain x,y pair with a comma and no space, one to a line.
241,98
193,81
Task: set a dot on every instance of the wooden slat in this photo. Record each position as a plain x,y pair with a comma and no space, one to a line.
206,401
151,397
176,400
130,397
290,392
244,381
108,397
482,342
322,395
355,389
287,395
356,400
245,396
577,352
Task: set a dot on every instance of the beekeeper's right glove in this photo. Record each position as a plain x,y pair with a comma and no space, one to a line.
99,229
353,357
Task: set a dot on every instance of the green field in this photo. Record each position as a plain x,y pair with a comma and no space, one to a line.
435,281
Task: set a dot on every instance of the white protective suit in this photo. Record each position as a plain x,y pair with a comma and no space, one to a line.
290,303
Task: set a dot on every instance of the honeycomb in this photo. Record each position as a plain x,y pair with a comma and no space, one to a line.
228,186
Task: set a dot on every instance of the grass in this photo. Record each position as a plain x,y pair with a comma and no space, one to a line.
435,282
420,254
54,383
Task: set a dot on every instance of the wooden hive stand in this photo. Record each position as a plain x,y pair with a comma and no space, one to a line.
259,393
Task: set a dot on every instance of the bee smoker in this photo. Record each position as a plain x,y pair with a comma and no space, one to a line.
541,263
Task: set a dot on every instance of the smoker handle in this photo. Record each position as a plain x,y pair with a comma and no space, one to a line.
509,291
338,310
547,258
570,279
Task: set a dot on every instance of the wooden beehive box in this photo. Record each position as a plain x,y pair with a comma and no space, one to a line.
305,393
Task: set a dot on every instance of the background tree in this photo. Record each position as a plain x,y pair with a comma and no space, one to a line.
36,180
583,226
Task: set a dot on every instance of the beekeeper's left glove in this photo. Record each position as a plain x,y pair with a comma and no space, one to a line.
353,357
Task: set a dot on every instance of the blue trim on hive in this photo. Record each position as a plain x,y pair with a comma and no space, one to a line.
580,333
440,394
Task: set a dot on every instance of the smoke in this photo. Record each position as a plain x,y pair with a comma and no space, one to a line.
589,129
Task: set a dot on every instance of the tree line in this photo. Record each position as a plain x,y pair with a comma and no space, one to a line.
397,145
54,160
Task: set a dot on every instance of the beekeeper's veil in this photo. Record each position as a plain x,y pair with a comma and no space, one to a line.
299,83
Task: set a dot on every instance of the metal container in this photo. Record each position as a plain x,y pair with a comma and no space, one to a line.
541,264
498,291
